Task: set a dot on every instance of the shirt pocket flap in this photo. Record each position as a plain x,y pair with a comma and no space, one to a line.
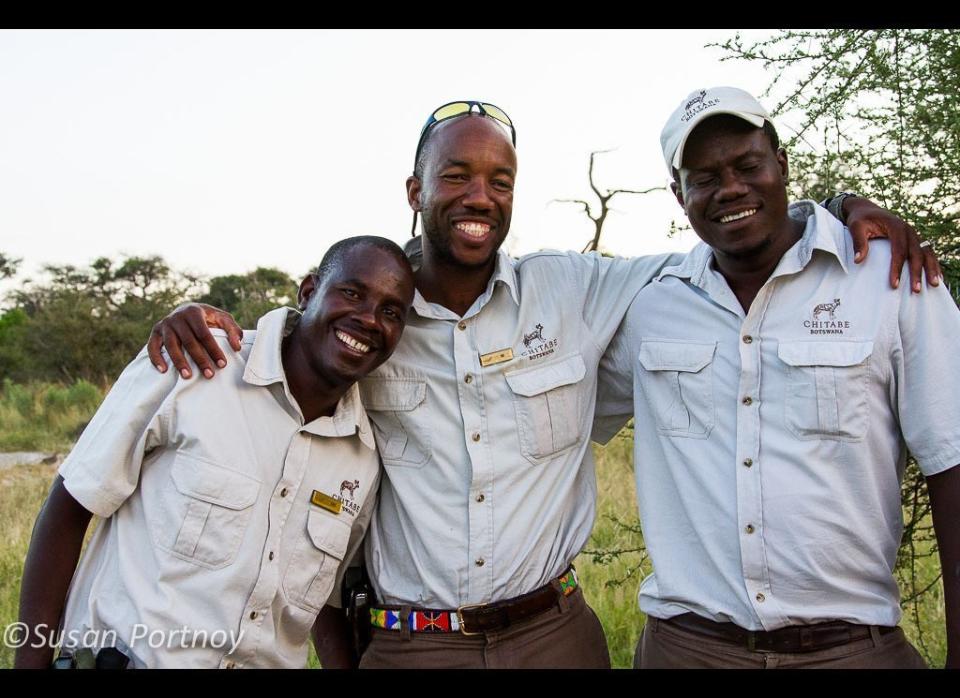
328,533
394,394
824,353
689,357
213,483
540,379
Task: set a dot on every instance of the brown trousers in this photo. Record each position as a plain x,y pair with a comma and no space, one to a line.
665,646
569,637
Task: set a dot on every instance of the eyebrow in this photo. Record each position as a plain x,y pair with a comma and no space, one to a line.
355,282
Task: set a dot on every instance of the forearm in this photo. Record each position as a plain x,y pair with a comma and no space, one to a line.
945,506
51,560
333,640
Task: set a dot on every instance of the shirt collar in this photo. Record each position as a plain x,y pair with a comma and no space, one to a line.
822,232
265,366
504,273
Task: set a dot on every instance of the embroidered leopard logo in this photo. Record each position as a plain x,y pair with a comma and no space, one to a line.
826,308
347,486
536,334
696,100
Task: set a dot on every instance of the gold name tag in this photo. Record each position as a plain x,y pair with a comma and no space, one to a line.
496,357
326,501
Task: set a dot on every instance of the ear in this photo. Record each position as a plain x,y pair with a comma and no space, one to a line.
678,193
414,187
784,165
310,283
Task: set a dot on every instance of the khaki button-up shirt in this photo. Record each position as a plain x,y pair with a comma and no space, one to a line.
483,423
770,445
227,520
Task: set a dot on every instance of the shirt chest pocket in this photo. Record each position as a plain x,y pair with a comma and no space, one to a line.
398,410
677,380
547,403
826,389
202,518
312,570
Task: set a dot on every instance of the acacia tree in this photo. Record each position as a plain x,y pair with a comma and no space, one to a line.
248,296
603,196
8,266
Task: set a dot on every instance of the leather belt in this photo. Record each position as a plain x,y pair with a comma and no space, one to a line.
478,618
794,638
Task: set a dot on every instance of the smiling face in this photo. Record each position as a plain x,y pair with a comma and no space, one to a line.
354,316
733,189
465,196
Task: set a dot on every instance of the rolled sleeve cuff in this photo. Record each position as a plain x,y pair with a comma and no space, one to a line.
939,460
88,492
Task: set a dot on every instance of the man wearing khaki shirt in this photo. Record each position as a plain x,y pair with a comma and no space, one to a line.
483,419
230,507
776,390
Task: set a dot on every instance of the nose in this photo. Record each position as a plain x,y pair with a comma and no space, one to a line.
478,195
366,317
731,186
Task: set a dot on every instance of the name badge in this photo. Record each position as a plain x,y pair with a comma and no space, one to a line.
496,357
325,501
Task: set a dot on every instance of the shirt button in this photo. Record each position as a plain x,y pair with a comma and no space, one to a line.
748,462
479,562
480,497
270,555
468,378
761,598
253,615
749,528
747,339
461,325
475,436
283,492
748,401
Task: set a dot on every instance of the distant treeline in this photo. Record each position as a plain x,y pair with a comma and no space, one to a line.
89,322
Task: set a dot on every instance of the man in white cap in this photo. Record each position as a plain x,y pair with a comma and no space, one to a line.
776,394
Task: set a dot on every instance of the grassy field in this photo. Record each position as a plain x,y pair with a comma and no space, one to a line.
610,582
45,416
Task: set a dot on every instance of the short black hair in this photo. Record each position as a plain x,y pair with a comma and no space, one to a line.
768,129
334,256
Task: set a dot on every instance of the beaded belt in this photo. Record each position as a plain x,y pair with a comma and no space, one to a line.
478,618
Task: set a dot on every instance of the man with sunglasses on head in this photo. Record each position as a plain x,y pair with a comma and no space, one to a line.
483,417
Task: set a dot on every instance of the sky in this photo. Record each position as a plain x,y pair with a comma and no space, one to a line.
227,150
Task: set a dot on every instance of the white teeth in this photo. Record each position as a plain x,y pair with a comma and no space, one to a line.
738,216
476,230
352,343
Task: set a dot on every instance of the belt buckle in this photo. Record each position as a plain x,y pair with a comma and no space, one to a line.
463,625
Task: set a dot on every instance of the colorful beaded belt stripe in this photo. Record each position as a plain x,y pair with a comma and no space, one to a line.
427,621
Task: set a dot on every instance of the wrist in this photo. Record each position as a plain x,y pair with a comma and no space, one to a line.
836,205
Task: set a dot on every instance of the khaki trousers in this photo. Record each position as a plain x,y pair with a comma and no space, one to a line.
569,637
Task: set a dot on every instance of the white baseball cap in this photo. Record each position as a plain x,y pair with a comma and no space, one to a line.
702,104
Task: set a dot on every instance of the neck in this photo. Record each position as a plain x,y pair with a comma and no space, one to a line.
746,275
452,285
316,395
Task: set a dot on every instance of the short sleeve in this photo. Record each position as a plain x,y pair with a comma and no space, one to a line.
103,468
928,383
